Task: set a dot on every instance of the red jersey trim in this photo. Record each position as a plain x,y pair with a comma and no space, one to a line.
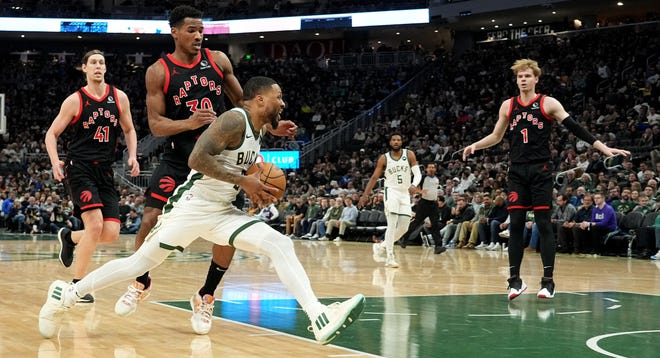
542,207
185,65
213,64
530,102
516,207
114,91
158,197
107,92
91,206
113,220
543,111
80,108
511,107
166,85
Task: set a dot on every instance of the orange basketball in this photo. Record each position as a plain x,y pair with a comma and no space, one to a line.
271,175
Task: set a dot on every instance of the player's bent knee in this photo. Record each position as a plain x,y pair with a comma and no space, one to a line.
278,244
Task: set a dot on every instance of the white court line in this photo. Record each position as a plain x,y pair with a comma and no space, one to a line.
614,307
288,308
263,334
491,315
390,314
593,341
574,312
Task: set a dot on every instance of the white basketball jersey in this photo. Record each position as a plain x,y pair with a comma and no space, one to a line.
234,160
397,172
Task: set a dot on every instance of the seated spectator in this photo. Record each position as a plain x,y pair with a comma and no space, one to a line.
562,215
347,219
67,208
602,222
317,231
472,226
124,209
624,204
583,214
461,213
311,215
16,217
268,213
33,219
490,226
644,207
293,218
58,220
132,223
7,204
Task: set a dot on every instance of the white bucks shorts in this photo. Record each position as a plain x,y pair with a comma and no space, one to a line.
397,203
193,217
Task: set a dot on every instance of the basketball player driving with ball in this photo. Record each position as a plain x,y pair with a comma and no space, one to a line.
201,208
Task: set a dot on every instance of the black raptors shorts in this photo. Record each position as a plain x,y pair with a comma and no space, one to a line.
92,186
168,175
530,186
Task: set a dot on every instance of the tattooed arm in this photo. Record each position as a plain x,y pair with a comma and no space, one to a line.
226,131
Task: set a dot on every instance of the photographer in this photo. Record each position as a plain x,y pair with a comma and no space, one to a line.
58,220
33,219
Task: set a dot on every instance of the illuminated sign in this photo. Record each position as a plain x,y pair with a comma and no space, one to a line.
84,26
285,159
290,23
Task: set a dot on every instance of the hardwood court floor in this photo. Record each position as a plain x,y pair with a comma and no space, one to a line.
450,305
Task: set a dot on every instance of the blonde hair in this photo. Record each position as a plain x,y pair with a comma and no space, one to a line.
524,64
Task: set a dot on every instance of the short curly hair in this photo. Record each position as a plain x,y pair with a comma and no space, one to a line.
179,13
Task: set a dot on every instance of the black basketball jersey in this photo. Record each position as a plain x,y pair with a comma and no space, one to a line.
529,131
187,88
94,131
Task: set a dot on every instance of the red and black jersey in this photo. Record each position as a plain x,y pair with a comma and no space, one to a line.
529,131
94,131
187,88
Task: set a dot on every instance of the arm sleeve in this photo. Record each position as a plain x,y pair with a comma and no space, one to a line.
578,130
417,175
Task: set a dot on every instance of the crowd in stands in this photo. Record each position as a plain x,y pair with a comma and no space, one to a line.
608,80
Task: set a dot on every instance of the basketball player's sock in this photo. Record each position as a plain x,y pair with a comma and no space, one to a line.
516,241
547,241
144,279
213,278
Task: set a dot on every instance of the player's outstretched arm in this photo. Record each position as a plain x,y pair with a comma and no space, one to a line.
554,108
494,137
